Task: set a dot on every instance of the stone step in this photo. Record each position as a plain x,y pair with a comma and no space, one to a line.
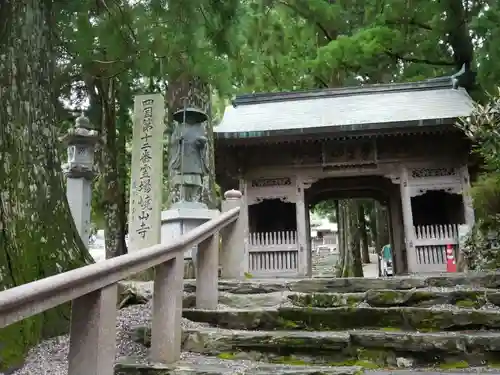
341,318
354,284
365,348
234,367
458,298
428,297
198,365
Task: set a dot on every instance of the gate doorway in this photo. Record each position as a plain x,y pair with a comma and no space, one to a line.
272,242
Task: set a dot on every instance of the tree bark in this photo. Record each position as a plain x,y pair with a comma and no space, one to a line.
112,181
342,237
111,187
349,238
374,227
38,237
365,253
355,239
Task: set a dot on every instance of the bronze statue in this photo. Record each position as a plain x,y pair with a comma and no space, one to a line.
189,160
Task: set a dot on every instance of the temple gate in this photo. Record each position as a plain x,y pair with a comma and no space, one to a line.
396,143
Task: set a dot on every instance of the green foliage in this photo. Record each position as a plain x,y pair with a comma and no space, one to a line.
486,196
327,209
483,127
298,44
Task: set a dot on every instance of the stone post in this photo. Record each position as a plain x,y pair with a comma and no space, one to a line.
79,170
234,255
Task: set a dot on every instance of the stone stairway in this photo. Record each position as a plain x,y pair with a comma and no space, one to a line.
440,324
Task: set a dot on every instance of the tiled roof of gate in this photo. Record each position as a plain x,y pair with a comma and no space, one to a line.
362,108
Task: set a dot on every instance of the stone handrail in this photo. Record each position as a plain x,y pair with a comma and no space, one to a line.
93,292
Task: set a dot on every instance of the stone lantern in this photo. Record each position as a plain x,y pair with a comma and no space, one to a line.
79,170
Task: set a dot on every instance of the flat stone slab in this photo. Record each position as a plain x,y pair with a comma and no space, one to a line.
243,301
341,318
216,341
214,366
354,284
370,348
130,294
461,298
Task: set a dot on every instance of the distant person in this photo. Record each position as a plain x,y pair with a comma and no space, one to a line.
386,261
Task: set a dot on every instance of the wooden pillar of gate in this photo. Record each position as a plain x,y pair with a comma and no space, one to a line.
409,231
469,216
396,230
301,212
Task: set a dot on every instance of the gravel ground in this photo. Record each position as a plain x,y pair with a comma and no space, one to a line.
50,357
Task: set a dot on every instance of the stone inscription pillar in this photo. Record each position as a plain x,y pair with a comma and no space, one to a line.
146,171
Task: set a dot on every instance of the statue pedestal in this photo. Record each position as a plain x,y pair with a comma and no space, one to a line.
179,220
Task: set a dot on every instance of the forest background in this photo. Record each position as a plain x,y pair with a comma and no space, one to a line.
60,57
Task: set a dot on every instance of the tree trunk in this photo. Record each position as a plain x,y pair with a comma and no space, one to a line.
112,182
355,238
374,226
341,237
38,237
365,253
349,238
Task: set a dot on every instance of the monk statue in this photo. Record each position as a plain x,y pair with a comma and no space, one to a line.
189,161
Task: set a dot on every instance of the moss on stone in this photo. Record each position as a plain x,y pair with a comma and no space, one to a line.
391,329
366,364
386,297
376,356
326,300
468,304
343,318
289,360
15,341
353,299
355,362
454,365
226,355
286,324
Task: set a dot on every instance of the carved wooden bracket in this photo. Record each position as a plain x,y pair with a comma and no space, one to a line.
308,181
415,191
283,198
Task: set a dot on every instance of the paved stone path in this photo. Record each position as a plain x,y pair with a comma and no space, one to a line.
324,264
